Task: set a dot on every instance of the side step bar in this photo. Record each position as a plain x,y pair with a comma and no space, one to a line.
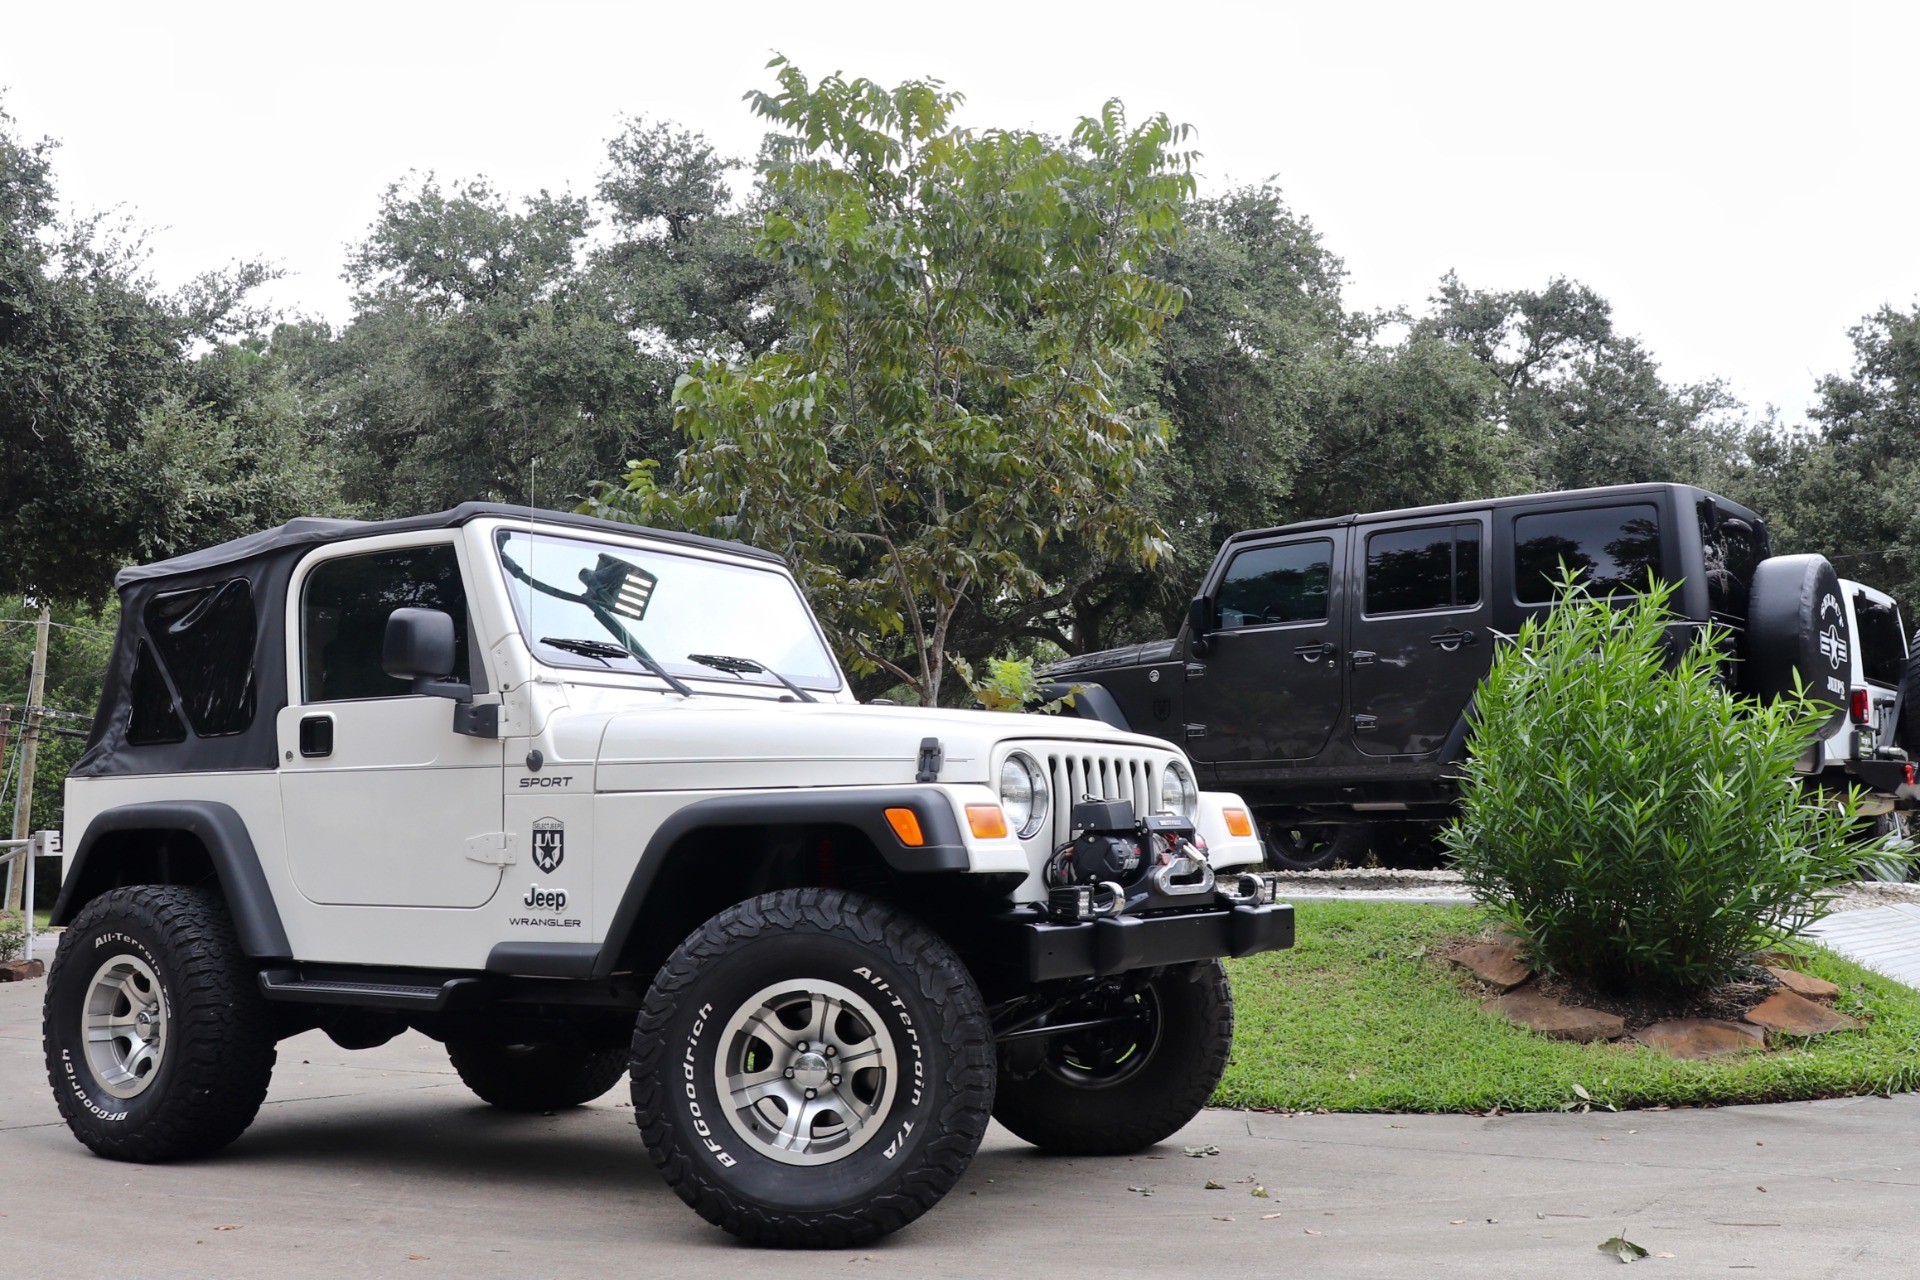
291,985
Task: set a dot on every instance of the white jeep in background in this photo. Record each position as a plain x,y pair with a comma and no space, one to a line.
1862,751
578,799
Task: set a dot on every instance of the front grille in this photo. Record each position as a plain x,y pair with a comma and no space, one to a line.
1101,775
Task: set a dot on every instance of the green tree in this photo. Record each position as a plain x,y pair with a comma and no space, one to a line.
131,426
967,306
78,646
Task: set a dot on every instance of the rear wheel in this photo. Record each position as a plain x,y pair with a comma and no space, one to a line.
159,1045
1292,847
536,1077
812,1068
1131,1082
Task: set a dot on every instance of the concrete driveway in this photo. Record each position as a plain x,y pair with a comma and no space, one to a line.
380,1163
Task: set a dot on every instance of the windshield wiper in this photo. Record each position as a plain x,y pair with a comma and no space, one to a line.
629,646
736,666
586,648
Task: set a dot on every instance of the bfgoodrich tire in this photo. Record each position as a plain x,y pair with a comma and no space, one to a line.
812,1068
536,1077
1118,1089
159,1045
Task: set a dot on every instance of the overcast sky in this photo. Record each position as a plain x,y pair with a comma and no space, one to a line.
1739,180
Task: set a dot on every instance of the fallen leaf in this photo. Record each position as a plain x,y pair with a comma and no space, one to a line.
1215,1186
1584,1096
1622,1248
1261,1192
1218,1218
232,1226
1458,1222
1663,1254
1759,1188
1310,1231
1142,1190
418,1257
1269,1217
1202,1151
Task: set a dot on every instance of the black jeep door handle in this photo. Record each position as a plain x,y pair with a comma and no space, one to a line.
1451,641
1315,652
316,736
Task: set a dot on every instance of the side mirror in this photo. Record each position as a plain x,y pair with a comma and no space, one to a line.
419,647
1199,622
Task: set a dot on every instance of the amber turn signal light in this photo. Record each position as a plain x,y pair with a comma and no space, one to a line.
906,825
986,821
1238,823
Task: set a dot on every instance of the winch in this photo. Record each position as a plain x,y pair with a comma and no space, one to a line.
1117,864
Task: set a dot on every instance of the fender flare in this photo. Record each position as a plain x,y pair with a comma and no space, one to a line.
1090,702
863,809
223,834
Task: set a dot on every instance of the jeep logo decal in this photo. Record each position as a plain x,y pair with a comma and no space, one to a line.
549,844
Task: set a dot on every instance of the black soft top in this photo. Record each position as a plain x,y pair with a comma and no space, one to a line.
309,531
248,577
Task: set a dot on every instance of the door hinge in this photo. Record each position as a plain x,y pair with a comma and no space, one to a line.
495,848
1365,724
1195,730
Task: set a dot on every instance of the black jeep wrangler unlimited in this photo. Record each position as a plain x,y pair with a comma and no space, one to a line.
1326,668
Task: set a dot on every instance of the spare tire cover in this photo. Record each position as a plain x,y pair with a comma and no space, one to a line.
1797,623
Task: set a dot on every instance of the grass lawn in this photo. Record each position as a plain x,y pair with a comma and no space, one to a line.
1362,1015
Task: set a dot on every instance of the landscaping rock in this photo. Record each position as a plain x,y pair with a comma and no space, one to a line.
1498,964
21,970
1528,1008
1694,1038
1796,1015
1804,984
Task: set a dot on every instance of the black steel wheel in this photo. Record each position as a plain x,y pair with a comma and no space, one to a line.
159,1045
1297,847
812,1069
1148,1066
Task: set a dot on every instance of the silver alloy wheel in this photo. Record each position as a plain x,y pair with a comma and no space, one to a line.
807,1070
125,1024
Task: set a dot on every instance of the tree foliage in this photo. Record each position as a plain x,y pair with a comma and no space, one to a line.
967,305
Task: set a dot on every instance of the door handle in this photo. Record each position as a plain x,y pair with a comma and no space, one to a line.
1362,658
1315,652
316,736
1451,641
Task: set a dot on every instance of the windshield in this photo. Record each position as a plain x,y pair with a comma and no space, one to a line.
673,606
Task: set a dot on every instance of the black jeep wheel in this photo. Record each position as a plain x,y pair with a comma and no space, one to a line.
1125,1086
1291,847
536,1077
159,1045
812,1068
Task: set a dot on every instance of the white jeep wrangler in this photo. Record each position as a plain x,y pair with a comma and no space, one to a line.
578,799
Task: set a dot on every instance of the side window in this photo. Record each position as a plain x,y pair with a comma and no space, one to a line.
1615,550
343,618
1434,567
151,719
1731,547
1268,585
205,639
1883,653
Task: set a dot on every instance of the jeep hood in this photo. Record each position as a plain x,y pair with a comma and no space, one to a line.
721,744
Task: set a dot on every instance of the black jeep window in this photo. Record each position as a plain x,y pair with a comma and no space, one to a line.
1434,567
151,719
1615,550
205,637
343,618
1880,635
1287,583
1730,546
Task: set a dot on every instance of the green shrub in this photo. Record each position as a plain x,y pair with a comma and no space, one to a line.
1638,824
13,937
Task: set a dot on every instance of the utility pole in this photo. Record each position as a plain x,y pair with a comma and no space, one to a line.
29,747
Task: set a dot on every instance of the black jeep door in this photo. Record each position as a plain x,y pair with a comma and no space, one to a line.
1268,687
1419,642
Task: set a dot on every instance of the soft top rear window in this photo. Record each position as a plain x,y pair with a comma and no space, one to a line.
205,638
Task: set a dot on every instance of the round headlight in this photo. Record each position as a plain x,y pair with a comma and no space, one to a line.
1023,794
1177,791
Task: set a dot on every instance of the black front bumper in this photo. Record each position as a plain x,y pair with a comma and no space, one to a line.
1048,951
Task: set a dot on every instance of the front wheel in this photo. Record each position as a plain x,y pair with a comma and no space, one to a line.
1146,1068
159,1044
812,1068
